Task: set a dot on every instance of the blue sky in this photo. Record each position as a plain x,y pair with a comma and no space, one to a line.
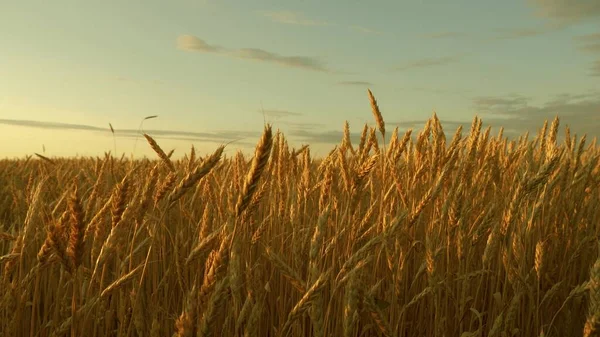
209,69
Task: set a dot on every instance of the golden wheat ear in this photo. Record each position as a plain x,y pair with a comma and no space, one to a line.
377,113
261,157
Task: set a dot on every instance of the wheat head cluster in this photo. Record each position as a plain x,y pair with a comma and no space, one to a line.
401,235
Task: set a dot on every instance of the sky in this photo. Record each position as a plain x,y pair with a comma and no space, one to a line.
215,71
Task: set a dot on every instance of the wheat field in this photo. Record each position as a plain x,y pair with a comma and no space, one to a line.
400,235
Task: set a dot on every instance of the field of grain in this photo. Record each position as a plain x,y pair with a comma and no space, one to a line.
400,235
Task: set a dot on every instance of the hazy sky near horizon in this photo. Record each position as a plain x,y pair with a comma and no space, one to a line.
214,71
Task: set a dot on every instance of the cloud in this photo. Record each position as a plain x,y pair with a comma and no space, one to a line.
289,61
303,126
298,18
50,125
137,81
449,126
218,136
508,103
428,62
589,38
194,44
589,43
592,47
311,136
358,83
292,18
440,91
516,112
567,11
419,123
564,13
517,115
332,137
595,69
224,135
279,113
520,33
233,140
442,35
365,30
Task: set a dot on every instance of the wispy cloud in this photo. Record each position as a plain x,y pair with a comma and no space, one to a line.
295,126
494,103
315,135
563,13
126,79
428,62
589,38
591,44
440,90
366,30
192,43
567,11
356,83
419,124
50,125
595,70
321,137
591,47
289,61
517,115
442,35
292,18
279,113
331,137
218,136
298,18
520,33
516,112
